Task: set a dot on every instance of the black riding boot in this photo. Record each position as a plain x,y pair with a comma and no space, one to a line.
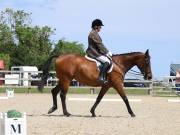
102,75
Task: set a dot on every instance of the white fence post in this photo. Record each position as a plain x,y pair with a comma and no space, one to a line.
92,90
1,124
151,89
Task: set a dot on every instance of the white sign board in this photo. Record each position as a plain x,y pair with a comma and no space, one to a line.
12,79
13,126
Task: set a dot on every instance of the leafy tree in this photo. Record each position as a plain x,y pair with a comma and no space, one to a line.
64,47
34,46
7,45
26,44
14,18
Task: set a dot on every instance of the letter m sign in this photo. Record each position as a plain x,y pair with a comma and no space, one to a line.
15,129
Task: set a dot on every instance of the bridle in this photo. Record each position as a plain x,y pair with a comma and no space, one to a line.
144,71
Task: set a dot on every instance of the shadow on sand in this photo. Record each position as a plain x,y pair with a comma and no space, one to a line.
76,115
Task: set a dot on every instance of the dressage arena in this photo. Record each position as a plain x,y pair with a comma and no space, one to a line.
154,115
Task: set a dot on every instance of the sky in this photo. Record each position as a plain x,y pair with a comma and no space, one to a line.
130,25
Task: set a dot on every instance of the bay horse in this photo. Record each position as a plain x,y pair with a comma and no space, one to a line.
74,66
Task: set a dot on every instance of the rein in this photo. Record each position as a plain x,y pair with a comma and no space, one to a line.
135,72
132,71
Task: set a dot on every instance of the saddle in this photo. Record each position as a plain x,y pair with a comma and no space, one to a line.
99,64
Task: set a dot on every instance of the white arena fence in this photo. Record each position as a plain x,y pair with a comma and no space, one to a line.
30,79
166,85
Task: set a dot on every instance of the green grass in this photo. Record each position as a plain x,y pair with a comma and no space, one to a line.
83,90
165,93
77,90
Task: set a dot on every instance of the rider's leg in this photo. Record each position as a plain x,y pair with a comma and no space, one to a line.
105,64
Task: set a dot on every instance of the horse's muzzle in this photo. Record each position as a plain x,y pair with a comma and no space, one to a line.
148,77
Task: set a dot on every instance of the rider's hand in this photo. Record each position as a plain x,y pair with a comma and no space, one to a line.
110,54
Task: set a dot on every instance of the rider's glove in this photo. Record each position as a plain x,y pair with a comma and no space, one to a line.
109,55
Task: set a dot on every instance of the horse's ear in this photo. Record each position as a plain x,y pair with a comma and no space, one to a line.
147,53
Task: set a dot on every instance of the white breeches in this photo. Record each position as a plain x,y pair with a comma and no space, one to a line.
104,59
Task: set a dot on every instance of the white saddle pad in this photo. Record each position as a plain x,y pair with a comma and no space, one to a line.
98,63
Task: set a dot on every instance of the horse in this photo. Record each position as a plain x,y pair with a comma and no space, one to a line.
74,66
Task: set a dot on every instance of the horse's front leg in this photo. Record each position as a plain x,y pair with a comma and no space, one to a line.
102,92
118,85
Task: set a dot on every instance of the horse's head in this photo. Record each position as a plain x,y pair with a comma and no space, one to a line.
144,66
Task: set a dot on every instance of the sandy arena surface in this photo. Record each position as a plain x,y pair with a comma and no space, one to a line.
154,116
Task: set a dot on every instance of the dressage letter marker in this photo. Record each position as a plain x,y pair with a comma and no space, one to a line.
104,100
12,126
9,94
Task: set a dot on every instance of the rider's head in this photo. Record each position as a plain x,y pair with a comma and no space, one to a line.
96,24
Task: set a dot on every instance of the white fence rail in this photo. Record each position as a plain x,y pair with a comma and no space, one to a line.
31,79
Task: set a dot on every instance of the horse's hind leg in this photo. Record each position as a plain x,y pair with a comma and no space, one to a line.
54,92
119,89
64,89
102,92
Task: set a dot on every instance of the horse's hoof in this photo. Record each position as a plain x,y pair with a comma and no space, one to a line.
52,109
67,114
93,115
133,115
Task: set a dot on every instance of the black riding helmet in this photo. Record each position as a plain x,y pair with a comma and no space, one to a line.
97,22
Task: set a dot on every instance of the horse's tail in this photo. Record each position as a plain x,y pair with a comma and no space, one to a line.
45,72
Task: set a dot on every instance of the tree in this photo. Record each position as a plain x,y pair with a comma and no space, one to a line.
7,45
14,18
26,44
34,46
64,47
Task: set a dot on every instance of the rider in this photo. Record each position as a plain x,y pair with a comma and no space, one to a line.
97,50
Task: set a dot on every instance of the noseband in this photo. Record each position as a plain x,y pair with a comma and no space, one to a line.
144,69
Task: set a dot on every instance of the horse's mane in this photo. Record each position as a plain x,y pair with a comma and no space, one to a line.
130,53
